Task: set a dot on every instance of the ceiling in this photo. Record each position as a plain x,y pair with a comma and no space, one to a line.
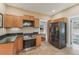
44,8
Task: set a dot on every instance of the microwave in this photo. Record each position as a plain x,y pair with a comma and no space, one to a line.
27,23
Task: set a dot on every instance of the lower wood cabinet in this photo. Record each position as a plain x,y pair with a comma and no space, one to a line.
38,40
7,49
19,44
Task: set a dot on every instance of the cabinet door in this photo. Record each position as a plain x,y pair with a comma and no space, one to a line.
32,18
18,21
8,20
38,40
19,44
16,46
36,24
7,49
28,17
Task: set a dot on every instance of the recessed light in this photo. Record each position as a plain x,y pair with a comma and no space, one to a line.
53,10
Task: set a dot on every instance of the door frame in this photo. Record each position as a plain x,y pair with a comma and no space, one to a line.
69,32
45,29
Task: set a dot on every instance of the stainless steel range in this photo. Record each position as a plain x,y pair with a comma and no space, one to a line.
29,40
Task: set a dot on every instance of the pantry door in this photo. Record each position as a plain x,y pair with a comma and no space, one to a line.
74,27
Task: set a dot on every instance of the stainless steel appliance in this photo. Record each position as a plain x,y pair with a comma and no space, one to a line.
29,40
58,34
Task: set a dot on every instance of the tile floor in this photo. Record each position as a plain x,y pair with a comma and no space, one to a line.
48,49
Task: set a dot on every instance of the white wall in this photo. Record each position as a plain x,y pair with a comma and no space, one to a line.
2,8
2,31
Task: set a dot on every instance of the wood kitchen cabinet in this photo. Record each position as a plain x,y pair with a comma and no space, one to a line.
8,20
19,44
36,24
28,17
7,49
38,40
12,21
18,22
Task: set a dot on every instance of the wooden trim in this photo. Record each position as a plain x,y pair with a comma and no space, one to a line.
64,19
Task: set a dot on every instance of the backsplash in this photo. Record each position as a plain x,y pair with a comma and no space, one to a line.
30,30
10,32
24,30
14,30
2,31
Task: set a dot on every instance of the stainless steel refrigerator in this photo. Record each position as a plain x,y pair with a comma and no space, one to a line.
57,34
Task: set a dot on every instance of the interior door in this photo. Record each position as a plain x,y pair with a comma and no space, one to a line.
74,26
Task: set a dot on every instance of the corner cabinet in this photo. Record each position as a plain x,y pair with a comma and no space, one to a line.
38,40
36,24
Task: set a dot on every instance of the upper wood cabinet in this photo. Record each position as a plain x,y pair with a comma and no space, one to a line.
63,19
28,17
8,20
36,24
18,22
31,18
12,21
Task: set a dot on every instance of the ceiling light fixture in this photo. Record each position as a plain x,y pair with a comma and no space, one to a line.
53,10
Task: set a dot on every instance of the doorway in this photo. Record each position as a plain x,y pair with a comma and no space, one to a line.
74,32
43,30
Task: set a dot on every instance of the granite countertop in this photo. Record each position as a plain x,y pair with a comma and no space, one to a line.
8,39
